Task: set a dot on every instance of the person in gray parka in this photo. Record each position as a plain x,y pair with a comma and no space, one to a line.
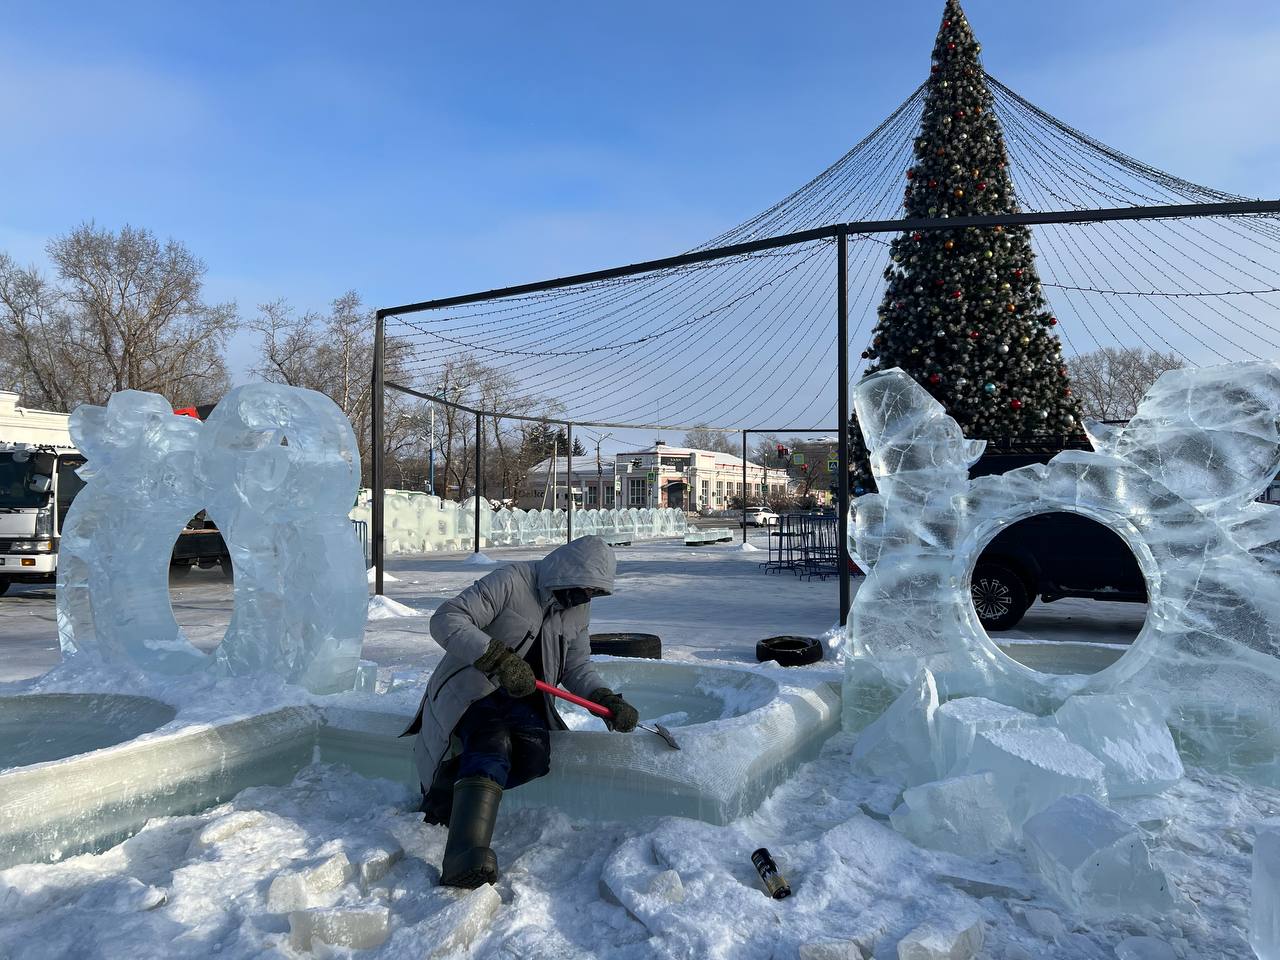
524,622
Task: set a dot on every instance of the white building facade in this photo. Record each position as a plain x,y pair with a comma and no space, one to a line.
660,476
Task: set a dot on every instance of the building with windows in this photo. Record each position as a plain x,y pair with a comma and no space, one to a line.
659,476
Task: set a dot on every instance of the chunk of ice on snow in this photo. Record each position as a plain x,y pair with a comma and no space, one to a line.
1034,766
951,938
294,890
898,745
960,815
456,927
1127,734
1094,859
831,950
357,928
1264,911
958,721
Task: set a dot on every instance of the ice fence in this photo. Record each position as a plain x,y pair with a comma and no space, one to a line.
1178,483
277,469
422,523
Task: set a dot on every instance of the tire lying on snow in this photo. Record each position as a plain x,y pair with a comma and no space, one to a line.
789,651
645,645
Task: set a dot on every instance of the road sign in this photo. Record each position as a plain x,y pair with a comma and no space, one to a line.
651,475
797,459
833,465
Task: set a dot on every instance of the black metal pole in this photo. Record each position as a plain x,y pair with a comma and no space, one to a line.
842,415
376,445
479,467
568,538
744,486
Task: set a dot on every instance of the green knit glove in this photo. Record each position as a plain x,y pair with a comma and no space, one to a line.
625,717
506,669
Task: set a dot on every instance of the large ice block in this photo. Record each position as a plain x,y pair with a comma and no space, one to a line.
899,745
1264,908
963,815
1095,859
1033,767
277,468
958,722
1126,733
1177,484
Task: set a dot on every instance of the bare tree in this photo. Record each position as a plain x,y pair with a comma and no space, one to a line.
703,438
125,312
1110,382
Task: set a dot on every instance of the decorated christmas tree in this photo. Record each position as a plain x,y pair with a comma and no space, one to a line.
963,311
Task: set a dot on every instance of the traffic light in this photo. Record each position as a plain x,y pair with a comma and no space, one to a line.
782,453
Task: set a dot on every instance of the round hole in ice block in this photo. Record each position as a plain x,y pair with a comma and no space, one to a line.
1059,592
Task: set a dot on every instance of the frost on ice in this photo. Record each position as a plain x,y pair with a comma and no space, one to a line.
277,469
1178,484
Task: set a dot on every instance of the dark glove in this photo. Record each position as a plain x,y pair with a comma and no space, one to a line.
624,718
506,669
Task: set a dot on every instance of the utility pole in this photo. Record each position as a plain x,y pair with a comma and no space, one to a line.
431,455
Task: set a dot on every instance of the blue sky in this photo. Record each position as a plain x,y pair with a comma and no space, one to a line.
411,151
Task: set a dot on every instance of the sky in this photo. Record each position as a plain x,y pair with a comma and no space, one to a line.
411,150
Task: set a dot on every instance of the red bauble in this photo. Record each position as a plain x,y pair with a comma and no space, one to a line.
1018,272
973,334
933,183
938,282
982,186
917,237
935,378
1016,404
945,24
1062,371
956,294
1066,391
951,46
911,174
1053,321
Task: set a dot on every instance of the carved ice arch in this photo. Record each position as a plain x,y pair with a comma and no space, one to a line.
1177,485
277,468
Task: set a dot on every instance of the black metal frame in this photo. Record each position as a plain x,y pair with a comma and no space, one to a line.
840,233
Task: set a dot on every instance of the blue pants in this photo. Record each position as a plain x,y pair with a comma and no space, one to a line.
505,739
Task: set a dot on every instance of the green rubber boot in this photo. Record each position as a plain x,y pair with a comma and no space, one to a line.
468,861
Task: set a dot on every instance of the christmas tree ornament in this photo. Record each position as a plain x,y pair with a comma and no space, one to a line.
1015,403
989,387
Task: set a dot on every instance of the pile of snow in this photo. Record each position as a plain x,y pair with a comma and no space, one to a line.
747,548
384,608
480,560
386,577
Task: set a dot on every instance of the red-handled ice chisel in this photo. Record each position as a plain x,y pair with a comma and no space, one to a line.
605,712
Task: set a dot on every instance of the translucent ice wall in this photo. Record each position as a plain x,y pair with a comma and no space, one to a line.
277,469
1177,484
422,523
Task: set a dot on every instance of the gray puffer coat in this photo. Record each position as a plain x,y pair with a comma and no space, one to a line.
515,605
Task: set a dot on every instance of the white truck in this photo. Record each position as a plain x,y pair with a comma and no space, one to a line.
38,481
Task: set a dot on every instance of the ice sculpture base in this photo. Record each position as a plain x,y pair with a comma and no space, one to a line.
58,808
741,734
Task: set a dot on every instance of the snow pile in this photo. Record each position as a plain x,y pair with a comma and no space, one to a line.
386,576
384,608
479,559
745,547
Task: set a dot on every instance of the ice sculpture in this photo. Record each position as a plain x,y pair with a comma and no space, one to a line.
277,468
421,523
1177,484
117,536
1264,908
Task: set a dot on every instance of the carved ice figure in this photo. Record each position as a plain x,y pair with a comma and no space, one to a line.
280,469
117,538
1176,484
277,469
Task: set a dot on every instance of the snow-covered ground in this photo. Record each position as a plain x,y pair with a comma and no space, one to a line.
201,886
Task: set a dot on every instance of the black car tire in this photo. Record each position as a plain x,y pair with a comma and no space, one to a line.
4,585
789,651
228,571
646,646
999,597
179,571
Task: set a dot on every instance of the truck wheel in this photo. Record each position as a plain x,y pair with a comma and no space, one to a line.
998,596
224,564
179,571
4,585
